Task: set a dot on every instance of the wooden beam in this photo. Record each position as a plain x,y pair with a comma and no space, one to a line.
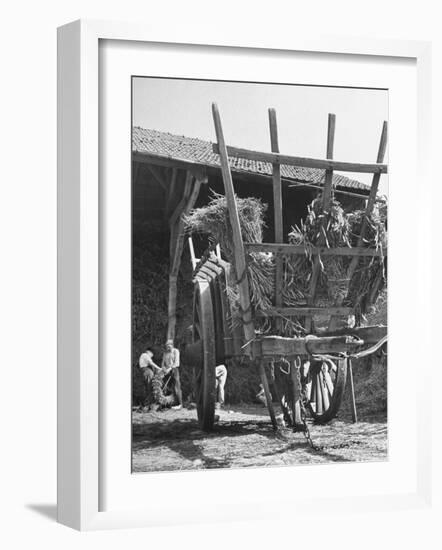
271,346
318,187
277,208
328,183
326,202
171,192
370,334
304,311
304,162
158,176
239,253
184,198
176,247
295,250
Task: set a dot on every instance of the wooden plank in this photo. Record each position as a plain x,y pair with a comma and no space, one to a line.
326,201
304,162
304,311
369,208
240,260
370,335
271,346
277,208
291,249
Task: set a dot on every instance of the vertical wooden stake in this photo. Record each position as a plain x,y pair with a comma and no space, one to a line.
265,385
354,412
326,201
240,257
298,424
368,211
277,208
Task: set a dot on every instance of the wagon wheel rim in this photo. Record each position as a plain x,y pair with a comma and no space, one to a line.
324,389
203,331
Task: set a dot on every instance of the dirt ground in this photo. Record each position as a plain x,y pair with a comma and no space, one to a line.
171,440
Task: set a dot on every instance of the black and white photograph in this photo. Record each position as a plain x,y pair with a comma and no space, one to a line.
259,274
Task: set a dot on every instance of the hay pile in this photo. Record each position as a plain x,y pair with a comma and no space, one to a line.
334,228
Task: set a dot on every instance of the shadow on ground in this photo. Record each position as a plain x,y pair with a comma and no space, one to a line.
244,437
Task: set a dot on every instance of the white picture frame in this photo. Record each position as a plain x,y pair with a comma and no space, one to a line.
79,436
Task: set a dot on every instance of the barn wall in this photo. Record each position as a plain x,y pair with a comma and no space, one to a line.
148,197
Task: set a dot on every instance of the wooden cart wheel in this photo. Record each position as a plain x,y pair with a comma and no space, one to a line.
204,331
324,388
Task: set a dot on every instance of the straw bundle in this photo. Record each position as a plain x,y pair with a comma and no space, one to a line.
333,228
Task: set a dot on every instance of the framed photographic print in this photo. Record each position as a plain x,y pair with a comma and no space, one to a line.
225,284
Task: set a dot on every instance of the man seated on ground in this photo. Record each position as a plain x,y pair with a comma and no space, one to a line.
148,370
170,364
221,377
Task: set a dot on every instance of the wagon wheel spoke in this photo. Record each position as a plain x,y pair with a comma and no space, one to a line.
318,385
324,389
328,381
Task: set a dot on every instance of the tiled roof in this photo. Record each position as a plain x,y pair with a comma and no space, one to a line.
194,150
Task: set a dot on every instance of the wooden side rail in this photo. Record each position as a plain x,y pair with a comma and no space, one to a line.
304,311
292,249
304,162
279,345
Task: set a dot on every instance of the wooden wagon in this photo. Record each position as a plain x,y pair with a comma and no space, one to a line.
316,365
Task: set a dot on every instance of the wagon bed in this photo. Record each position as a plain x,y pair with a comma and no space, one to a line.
315,366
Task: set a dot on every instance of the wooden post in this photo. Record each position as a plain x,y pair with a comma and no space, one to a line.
191,190
268,395
171,192
192,252
277,208
354,412
240,259
368,211
297,419
326,201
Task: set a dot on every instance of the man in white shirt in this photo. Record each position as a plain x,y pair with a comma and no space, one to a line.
171,364
148,370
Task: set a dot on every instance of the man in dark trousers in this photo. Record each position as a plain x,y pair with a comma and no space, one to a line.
171,364
148,370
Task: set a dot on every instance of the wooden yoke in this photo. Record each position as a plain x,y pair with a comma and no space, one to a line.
368,211
326,202
240,259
